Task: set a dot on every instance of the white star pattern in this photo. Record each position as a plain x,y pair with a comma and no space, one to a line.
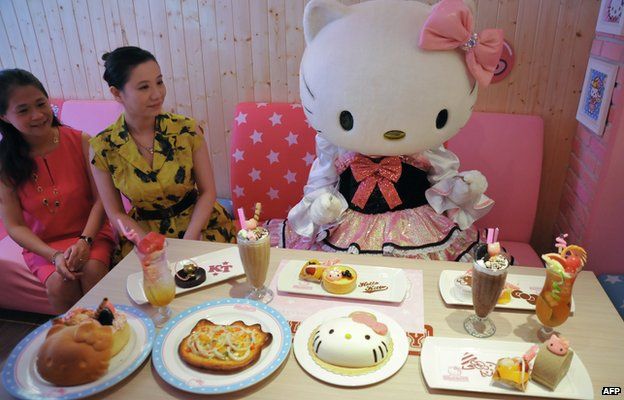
291,139
256,136
273,157
309,159
241,118
238,155
613,279
258,105
276,119
290,176
273,193
255,174
239,191
295,106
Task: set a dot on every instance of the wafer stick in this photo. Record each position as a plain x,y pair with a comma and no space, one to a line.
257,211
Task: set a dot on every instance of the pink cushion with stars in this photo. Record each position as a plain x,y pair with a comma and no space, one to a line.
271,155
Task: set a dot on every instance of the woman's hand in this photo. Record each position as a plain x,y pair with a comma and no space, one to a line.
76,255
61,267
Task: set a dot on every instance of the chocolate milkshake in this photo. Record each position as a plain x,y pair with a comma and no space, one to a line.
488,281
489,273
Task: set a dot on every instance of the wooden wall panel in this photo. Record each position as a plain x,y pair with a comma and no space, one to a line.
216,53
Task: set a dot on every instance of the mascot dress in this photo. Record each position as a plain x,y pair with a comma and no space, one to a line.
385,83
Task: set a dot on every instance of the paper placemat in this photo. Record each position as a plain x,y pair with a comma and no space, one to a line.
409,313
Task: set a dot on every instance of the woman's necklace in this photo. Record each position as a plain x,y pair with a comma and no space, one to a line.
51,204
148,149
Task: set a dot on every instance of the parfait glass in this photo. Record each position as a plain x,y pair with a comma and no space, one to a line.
487,286
554,302
158,283
255,255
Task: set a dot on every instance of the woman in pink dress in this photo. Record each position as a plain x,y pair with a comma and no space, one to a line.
48,202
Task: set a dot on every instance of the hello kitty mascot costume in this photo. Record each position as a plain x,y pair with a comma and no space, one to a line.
385,83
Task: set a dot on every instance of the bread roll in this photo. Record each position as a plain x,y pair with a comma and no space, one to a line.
75,355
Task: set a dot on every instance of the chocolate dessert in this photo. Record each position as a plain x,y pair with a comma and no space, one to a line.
190,275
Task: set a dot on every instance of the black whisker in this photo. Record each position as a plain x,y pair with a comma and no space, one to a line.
317,346
375,355
473,87
308,110
306,86
315,339
381,351
384,343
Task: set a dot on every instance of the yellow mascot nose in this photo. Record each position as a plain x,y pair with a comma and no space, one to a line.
348,336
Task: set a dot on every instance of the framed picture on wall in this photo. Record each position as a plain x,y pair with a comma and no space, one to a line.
611,17
596,95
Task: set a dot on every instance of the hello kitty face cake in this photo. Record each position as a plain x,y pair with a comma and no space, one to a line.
351,345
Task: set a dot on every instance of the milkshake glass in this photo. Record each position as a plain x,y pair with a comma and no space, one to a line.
254,249
488,280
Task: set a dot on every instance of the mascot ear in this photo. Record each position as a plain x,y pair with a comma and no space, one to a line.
319,13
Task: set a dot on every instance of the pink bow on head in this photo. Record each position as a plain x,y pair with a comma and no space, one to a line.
370,321
450,26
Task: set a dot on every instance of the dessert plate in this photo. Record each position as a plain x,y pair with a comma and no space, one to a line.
373,283
522,298
308,326
468,364
219,265
180,375
21,379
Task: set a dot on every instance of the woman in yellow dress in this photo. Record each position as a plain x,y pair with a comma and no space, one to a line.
158,160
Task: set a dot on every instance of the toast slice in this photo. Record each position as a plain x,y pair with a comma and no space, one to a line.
223,348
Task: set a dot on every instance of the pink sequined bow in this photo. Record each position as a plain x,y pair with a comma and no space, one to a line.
450,26
370,174
370,321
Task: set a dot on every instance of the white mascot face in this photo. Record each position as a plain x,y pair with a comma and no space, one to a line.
367,87
347,343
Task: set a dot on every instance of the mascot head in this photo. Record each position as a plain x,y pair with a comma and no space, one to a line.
369,85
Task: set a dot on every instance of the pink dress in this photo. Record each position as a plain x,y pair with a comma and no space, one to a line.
62,182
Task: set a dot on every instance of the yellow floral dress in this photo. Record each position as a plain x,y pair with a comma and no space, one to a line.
163,184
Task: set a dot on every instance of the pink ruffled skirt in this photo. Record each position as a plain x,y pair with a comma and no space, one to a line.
415,233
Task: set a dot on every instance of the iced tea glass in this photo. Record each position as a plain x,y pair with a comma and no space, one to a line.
158,283
554,302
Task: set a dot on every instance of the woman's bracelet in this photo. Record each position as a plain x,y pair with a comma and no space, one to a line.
53,258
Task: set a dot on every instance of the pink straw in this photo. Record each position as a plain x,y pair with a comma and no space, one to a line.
130,234
490,234
242,219
495,238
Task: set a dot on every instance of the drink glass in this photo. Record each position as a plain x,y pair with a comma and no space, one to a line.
158,283
487,286
255,253
554,302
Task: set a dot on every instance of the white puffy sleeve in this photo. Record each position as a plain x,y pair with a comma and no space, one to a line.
460,195
323,180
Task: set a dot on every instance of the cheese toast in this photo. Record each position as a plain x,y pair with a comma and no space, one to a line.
223,348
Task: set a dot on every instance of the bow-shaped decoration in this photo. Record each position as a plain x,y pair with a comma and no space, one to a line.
450,26
370,321
370,174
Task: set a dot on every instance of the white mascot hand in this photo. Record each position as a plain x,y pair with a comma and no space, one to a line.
326,209
477,183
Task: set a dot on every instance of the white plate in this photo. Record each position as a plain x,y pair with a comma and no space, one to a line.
530,286
219,265
307,327
441,363
225,311
393,280
21,379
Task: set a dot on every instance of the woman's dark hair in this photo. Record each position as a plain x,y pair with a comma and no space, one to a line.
119,63
16,165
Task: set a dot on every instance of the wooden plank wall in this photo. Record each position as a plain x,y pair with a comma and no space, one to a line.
216,53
